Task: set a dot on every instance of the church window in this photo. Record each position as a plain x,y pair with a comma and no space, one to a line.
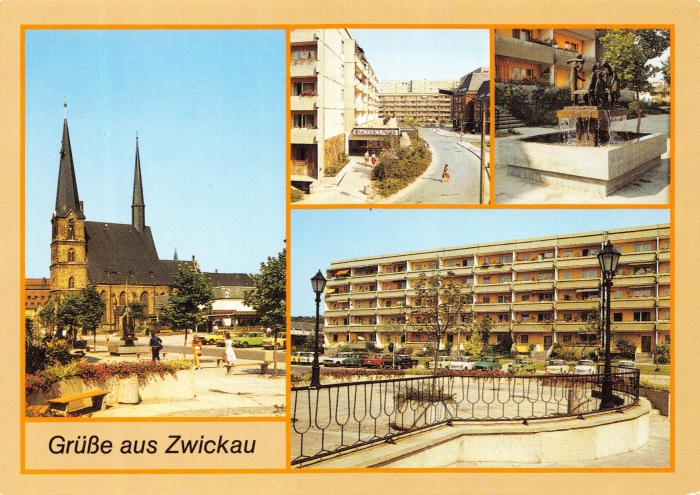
71,283
71,256
71,229
122,299
144,300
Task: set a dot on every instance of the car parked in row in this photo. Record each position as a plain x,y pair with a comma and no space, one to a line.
375,360
488,363
626,365
269,342
354,360
462,363
522,365
302,357
557,367
337,359
399,361
585,367
249,339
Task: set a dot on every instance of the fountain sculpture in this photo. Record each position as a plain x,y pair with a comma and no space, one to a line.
587,154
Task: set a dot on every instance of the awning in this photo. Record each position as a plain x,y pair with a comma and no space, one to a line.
329,291
342,272
587,290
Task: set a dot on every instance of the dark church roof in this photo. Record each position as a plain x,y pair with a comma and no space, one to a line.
230,279
67,191
121,248
472,82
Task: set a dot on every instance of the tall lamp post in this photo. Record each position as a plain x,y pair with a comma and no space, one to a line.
318,283
608,259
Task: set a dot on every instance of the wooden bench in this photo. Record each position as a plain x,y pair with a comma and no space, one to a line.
37,410
148,355
60,404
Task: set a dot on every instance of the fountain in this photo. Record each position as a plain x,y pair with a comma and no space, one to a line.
587,154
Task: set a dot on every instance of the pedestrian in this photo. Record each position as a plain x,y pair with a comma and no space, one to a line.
367,157
374,159
196,351
156,345
445,174
425,351
229,354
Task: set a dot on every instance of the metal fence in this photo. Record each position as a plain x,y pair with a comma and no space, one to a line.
343,417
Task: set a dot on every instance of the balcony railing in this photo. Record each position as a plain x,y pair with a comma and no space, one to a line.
345,417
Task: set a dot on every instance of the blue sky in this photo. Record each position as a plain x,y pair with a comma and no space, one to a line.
321,236
423,53
209,109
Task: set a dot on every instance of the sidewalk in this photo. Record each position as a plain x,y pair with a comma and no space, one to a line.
651,188
245,392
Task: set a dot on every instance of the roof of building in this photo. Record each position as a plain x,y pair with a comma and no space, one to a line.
67,190
37,284
473,81
230,279
113,247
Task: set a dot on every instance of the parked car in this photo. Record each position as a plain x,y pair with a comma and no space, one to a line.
375,361
354,360
400,361
521,365
443,361
269,342
488,363
462,363
249,339
214,338
626,365
557,367
337,359
302,357
585,367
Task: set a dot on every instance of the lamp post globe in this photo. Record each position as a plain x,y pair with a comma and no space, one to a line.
318,283
608,259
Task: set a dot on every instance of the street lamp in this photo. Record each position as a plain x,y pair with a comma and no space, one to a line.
318,283
608,259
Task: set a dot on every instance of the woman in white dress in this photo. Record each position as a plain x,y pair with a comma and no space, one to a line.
229,354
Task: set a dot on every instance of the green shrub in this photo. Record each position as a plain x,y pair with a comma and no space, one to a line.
625,349
646,383
395,169
538,107
297,195
663,354
567,353
331,170
58,352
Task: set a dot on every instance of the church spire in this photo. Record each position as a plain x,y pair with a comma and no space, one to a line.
138,214
67,190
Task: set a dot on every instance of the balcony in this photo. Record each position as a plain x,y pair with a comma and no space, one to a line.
579,283
303,68
664,279
356,328
664,302
638,258
524,50
580,262
632,326
364,311
570,326
533,286
638,303
337,297
492,288
578,305
533,327
367,294
492,308
336,313
533,306
529,266
664,255
396,310
635,281
304,102
561,56
304,135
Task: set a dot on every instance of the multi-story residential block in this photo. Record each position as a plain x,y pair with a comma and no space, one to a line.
417,85
426,107
537,291
529,54
333,89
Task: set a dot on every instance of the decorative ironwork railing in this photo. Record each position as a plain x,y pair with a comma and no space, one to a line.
339,418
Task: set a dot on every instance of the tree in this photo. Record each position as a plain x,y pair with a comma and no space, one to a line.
91,307
137,311
480,336
629,51
440,308
47,316
666,70
395,332
269,299
68,313
191,289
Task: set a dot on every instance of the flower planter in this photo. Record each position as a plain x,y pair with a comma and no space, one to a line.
660,399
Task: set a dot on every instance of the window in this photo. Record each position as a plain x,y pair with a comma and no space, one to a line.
524,339
303,89
642,316
485,261
525,297
566,276
665,292
617,316
71,283
525,257
567,297
71,229
545,297
304,54
525,277
486,280
504,279
469,262
589,274
641,248
504,318
71,256
566,338
503,299
567,317
486,300
548,255
499,338
544,317
544,276
304,120
641,293
387,304
360,305
506,258
450,264
567,254
618,294
525,318
335,337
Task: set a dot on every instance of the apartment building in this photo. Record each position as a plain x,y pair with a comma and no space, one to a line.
537,291
417,85
529,54
425,107
470,100
333,89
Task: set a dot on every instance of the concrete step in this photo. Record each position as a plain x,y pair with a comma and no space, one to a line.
655,416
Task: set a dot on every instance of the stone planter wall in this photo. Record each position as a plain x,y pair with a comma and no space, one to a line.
660,399
180,386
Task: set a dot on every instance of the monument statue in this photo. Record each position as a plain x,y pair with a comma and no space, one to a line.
613,84
575,76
